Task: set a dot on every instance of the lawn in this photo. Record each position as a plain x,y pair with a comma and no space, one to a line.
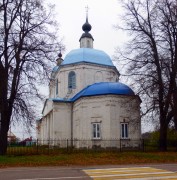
88,158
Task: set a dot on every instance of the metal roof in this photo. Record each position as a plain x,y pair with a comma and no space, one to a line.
98,89
88,55
104,88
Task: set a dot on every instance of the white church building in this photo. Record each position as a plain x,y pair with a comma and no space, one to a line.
87,101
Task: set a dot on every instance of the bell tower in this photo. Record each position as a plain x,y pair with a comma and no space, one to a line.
86,40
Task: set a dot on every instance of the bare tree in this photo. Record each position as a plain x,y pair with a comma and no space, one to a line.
152,60
28,44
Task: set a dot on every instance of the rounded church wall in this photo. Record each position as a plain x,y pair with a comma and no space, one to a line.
109,111
86,74
98,76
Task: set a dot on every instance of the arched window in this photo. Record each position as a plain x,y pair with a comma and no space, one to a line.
57,87
72,80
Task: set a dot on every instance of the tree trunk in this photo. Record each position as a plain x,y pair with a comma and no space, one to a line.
163,137
3,142
4,122
4,127
175,120
175,107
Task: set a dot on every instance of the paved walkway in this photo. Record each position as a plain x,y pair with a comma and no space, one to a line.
131,173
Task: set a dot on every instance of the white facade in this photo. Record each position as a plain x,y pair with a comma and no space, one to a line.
86,101
85,75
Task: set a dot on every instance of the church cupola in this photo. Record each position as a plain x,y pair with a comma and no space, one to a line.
86,27
59,59
86,40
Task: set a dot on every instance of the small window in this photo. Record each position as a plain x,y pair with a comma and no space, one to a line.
57,87
96,130
88,43
72,80
124,130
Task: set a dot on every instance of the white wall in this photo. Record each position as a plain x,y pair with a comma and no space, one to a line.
62,121
125,109
56,124
110,110
87,111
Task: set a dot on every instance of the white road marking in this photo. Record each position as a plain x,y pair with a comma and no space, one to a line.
119,171
112,175
134,173
116,168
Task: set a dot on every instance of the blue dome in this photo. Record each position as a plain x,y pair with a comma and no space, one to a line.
87,55
104,88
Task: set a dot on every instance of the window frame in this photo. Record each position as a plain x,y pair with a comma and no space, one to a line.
124,132
96,134
72,80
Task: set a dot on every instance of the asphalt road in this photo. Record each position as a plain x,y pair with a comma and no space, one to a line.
42,173
66,173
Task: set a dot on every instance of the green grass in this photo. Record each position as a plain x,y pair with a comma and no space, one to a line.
88,158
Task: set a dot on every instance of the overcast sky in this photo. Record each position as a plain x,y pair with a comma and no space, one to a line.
103,16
